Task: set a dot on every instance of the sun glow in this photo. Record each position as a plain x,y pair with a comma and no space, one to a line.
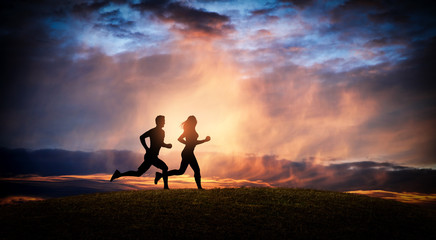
207,87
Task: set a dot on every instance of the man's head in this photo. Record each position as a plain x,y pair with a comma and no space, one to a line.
160,121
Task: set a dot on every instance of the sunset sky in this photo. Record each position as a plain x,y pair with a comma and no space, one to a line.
336,95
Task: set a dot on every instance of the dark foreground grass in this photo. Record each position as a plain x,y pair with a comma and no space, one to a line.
244,213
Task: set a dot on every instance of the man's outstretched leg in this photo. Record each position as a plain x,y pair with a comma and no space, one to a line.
141,170
116,175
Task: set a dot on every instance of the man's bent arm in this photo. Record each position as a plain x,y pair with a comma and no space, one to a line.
167,145
142,139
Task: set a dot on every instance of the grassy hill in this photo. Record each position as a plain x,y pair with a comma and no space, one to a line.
244,213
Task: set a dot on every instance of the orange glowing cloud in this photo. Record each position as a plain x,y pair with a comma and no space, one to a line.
18,199
100,182
186,181
406,197
136,183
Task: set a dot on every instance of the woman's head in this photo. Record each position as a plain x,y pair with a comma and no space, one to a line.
190,123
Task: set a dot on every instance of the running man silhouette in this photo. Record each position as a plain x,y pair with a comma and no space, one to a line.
156,136
189,138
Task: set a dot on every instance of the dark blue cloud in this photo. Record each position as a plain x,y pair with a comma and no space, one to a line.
403,20
54,162
193,20
298,3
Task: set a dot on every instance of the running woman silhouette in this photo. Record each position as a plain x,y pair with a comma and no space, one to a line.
156,136
189,138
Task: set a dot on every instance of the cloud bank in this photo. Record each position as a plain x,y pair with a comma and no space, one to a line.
254,170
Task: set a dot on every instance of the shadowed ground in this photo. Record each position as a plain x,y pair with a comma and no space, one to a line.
247,213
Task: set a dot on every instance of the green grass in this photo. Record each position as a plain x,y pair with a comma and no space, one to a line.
243,213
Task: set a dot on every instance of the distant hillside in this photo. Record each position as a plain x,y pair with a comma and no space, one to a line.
244,213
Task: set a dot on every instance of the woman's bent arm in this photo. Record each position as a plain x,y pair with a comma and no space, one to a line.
181,138
207,139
